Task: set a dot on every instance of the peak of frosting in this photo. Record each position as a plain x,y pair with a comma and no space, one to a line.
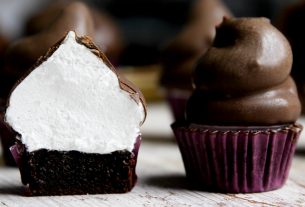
248,54
244,78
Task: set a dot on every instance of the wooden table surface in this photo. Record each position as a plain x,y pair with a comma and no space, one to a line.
161,182
162,179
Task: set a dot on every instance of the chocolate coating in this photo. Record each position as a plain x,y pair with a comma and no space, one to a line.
182,53
244,78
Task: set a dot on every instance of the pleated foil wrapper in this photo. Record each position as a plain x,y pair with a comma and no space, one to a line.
237,159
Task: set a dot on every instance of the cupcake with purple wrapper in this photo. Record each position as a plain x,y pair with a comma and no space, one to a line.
180,56
240,134
76,123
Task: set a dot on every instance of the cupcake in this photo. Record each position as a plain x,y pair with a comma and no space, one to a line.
22,54
76,123
75,16
180,56
49,26
288,23
239,134
107,35
3,83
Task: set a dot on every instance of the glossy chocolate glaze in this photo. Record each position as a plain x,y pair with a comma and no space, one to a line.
244,78
182,53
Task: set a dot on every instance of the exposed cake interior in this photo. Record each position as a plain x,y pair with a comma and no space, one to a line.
73,101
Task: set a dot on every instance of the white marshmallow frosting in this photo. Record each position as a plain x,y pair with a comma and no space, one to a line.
73,101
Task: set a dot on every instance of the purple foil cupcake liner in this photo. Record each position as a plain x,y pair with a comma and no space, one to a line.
177,101
237,160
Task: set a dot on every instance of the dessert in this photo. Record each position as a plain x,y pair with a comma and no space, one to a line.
3,83
76,16
22,54
107,35
76,123
182,53
49,26
289,25
240,134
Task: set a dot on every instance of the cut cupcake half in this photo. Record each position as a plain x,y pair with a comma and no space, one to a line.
77,122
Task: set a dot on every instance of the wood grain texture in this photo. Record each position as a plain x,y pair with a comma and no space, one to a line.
161,183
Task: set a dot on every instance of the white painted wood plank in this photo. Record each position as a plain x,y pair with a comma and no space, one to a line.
161,183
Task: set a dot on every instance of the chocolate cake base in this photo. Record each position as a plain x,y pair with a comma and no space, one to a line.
51,172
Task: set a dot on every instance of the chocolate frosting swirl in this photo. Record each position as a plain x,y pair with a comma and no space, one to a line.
244,78
182,53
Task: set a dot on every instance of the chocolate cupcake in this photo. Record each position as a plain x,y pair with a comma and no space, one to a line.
180,56
76,123
240,132
50,25
23,53
75,16
107,34
289,24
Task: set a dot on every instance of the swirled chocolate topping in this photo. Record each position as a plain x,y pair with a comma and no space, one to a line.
244,78
182,53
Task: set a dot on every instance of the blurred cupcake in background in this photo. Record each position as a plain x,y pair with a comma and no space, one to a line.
47,27
3,46
240,132
45,30
182,53
23,53
289,24
107,34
